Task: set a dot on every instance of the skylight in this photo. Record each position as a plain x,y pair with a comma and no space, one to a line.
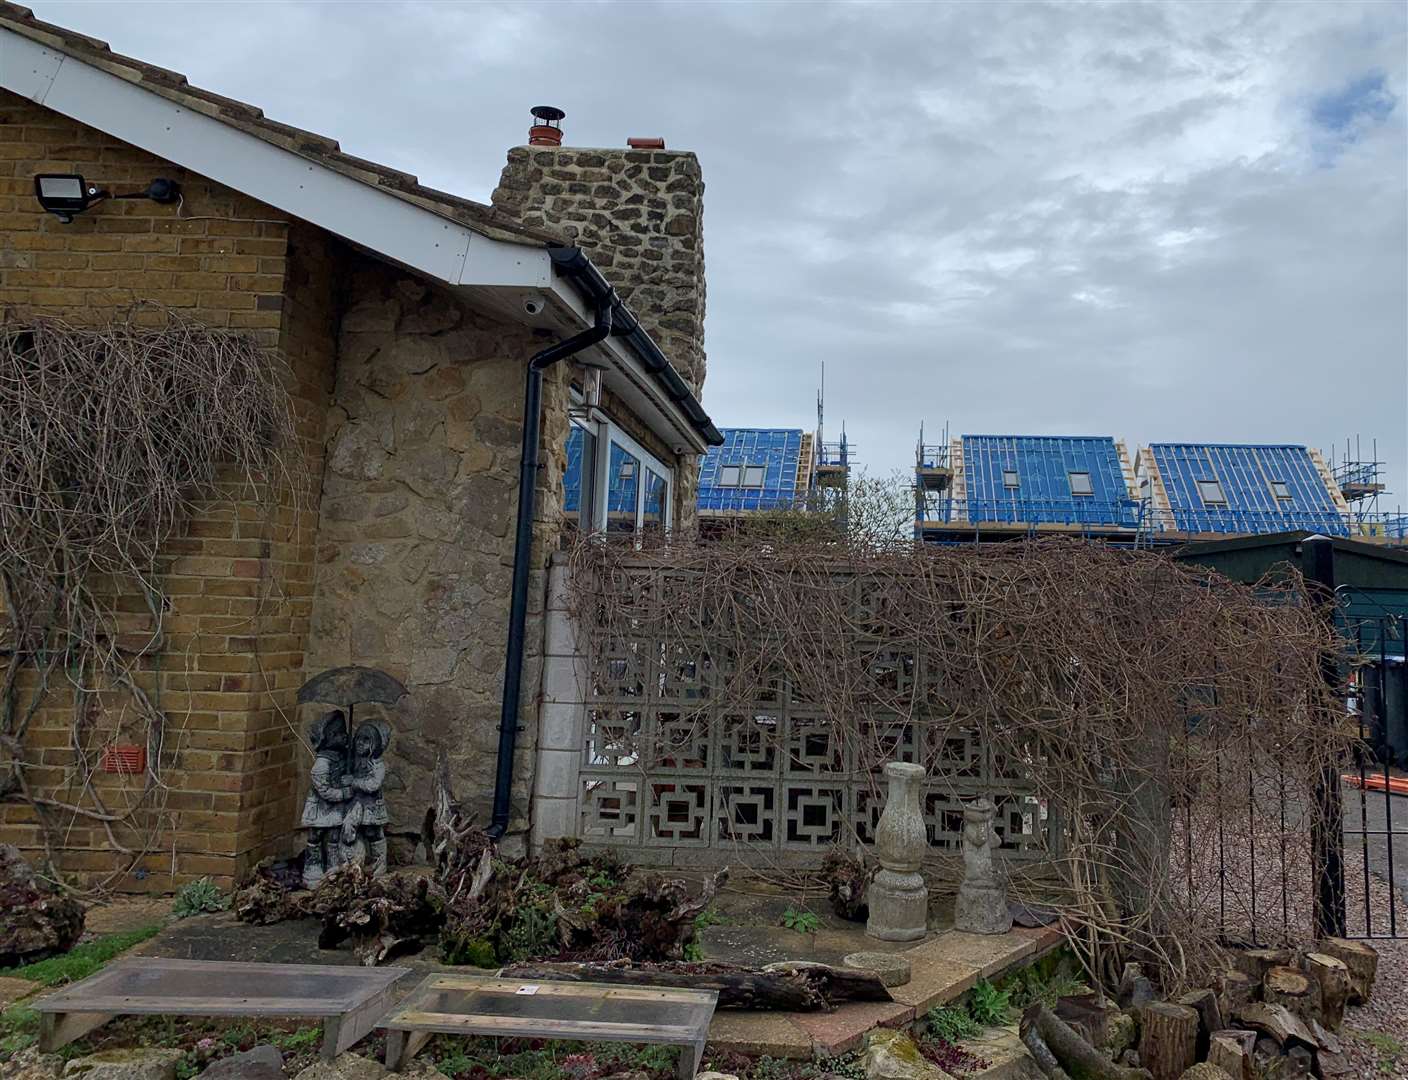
1080,484
1210,491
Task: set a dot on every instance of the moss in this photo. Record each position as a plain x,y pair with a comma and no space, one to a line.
80,961
475,952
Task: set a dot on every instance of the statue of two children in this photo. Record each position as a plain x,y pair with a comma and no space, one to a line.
345,813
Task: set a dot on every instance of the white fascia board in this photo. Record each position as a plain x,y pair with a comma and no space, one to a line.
376,220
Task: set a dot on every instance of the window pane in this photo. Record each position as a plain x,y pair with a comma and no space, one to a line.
655,496
1080,484
729,475
624,477
580,479
1009,478
754,475
1210,491
1280,489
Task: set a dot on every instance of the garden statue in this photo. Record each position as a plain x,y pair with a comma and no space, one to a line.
898,897
328,792
364,826
345,813
982,901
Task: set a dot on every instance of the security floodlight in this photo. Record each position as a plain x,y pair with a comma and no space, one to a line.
66,194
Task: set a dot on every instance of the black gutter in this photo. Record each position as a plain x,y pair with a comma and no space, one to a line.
576,267
605,302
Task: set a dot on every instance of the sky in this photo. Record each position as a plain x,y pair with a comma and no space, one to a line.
1158,221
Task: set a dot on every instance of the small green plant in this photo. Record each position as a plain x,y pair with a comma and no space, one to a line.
198,898
1387,1047
82,960
305,1038
988,1005
804,922
454,1062
532,936
707,918
19,1028
950,1023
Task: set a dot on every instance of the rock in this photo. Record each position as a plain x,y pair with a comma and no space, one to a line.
892,1055
1006,1056
344,1067
36,920
641,1074
1204,1071
1120,1034
30,1064
714,1076
262,1063
128,1064
892,968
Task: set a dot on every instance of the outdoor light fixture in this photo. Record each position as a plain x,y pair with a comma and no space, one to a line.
67,194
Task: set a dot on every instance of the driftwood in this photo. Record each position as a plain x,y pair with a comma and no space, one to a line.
1232,1050
1331,975
1075,1055
1361,960
793,987
1209,1011
848,881
1294,989
1168,1039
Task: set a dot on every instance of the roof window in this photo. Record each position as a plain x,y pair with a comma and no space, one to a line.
1281,489
1210,491
1080,483
746,476
1009,479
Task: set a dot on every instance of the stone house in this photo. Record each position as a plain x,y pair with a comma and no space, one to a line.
408,317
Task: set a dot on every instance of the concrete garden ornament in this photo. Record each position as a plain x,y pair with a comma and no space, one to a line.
898,897
982,900
345,813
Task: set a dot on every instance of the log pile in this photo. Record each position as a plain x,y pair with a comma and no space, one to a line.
1274,1015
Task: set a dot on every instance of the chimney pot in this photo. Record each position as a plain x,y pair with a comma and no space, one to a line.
637,142
547,131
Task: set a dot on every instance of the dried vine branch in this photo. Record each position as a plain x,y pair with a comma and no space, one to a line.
1152,715
110,438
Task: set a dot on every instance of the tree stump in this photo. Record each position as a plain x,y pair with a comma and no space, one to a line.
1235,989
1361,960
1255,963
1231,1050
1294,989
1332,974
1209,1016
1168,1043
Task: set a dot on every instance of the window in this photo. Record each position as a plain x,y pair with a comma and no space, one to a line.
749,476
1009,478
611,482
1280,489
754,475
1080,483
730,475
1210,491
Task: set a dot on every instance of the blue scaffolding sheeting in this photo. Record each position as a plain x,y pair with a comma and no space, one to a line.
1231,488
1046,479
777,452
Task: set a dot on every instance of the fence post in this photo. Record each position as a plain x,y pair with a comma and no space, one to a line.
1327,826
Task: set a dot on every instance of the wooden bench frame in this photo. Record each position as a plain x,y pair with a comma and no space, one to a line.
75,1010
410,1027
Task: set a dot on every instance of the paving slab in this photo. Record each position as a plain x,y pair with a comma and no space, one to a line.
934,980
759,1033
842,1030
990,954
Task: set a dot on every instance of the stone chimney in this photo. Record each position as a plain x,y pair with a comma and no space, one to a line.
639,214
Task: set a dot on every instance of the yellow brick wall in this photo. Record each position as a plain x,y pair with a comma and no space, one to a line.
239,582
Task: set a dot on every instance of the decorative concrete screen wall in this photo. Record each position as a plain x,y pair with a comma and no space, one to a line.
628,758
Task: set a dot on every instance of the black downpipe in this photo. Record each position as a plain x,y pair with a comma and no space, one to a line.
523,549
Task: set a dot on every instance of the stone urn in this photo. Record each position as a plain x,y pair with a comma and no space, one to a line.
898,897
981,907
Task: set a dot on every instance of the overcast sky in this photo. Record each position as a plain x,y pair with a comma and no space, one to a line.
1155,221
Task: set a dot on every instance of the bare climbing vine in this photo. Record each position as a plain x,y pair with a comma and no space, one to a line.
110,438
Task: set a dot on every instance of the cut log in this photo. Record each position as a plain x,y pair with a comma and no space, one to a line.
1255,963
1205,1003
1277,1023
1135,990
1168,1039
1075,1055
1294,989
1042,1055
1235,988
1362,961
1087,1015
1299,1062
1332,975
1331,1062
1231,1050
800,987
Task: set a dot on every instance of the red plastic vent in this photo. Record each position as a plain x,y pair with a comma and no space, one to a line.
125,759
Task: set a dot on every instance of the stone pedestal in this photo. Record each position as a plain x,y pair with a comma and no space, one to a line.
898,898
982,899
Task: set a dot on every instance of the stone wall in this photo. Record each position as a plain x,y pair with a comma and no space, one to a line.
415,549
238,582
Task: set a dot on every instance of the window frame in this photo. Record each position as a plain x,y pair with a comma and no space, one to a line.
1221,499
606,433
1089,492
748,471
1015,481
1281,491
737,473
